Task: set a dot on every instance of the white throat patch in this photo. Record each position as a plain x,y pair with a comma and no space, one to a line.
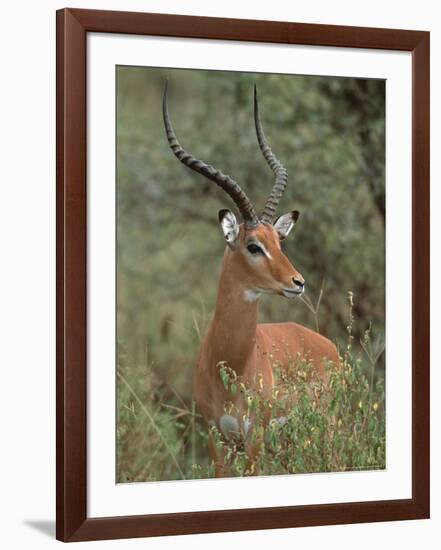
251,295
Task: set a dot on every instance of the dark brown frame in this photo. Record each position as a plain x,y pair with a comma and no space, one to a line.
72,28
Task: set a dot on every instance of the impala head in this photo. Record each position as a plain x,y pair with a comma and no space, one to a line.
254,245
258,260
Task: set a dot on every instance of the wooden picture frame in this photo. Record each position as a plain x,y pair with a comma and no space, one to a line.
73,524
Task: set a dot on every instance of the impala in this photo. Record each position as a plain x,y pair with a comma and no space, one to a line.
253,264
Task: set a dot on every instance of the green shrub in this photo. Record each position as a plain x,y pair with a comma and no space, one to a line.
325,426
331,425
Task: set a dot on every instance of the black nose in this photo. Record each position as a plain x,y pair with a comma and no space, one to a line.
299,282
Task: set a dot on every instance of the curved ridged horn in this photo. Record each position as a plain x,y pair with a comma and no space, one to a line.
280,172
225,182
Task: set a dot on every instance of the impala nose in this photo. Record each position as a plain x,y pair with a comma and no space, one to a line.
300,282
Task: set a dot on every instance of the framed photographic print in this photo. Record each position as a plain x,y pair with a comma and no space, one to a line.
242,274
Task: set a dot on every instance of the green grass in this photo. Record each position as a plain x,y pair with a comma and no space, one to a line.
159,435
334,426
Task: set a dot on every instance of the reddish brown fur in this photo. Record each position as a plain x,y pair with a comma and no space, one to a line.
235,337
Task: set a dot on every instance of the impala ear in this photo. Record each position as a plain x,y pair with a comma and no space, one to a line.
230,227
285,223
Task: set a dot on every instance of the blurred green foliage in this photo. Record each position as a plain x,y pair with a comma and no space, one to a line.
330,135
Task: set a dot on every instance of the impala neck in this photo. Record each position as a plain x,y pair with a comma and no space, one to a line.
235,319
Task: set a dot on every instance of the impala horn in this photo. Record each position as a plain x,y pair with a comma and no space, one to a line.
280,172
225,182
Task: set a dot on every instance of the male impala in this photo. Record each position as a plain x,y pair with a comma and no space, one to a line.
253,264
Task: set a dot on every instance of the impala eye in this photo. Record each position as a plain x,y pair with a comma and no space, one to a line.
254,249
